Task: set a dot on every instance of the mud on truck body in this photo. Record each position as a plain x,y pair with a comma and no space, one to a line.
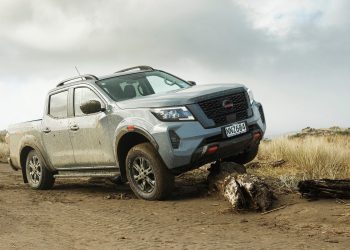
141,125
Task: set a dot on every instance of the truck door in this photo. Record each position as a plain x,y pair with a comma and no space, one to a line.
90,137
56,130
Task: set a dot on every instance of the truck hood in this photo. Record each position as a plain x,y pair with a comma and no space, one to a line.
182,96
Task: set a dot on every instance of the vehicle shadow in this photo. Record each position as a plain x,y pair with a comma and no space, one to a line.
187,186
192,184
102,186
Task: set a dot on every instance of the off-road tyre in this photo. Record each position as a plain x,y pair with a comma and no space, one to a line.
39,177
153,171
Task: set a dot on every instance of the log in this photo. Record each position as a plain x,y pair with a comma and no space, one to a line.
325,188
241,190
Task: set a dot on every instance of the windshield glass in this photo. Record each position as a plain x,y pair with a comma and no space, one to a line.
135,85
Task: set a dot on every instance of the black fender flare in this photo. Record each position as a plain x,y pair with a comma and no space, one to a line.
125,130
131,129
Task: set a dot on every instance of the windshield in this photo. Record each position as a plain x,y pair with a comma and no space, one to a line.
135,85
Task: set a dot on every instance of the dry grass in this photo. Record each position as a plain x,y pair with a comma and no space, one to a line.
4,149
4,152
2,136
309,157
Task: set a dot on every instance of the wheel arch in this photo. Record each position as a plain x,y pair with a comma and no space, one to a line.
127,138
25,149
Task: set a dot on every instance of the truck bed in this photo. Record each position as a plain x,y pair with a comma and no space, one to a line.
18,133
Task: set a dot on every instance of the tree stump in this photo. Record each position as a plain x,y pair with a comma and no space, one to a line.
241,190
325,188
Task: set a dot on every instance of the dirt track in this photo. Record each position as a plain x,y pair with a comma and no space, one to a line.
81,215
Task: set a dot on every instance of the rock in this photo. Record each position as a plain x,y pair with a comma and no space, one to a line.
241,190
120,196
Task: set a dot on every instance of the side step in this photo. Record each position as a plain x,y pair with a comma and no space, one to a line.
74,172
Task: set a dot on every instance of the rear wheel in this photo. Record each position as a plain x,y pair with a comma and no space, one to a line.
246,156
148,176
39,177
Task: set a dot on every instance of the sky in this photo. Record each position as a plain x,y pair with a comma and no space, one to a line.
294,55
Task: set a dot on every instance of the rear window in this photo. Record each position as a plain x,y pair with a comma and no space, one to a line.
58,105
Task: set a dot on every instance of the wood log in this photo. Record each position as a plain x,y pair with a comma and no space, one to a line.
325,188
241,190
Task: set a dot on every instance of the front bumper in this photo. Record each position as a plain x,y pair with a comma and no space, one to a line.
194,138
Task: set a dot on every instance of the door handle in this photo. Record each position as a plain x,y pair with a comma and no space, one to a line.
47,130
74,127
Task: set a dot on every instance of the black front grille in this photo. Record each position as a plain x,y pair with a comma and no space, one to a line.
214,108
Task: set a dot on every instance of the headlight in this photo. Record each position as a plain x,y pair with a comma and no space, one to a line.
173,114
251,96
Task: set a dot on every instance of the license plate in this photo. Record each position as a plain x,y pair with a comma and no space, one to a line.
236,129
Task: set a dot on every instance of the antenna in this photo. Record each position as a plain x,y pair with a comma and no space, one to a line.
76,68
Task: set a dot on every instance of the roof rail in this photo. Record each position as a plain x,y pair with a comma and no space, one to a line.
141,67
82,77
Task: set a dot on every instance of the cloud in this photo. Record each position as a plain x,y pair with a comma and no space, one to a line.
293,54
282,17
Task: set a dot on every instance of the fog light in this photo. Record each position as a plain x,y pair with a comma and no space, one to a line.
174,139
212,149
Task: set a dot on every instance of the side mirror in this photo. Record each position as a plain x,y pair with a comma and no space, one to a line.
192,83
92,106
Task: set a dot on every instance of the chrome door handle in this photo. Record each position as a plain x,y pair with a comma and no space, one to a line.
47,130
74,127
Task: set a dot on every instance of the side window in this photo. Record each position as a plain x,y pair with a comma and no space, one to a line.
82,95
58,105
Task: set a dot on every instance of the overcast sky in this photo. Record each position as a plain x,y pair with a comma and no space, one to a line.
295,55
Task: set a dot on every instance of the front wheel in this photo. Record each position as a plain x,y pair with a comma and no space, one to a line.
39,177
148,176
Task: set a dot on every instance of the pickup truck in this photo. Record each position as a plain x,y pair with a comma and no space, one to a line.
141,125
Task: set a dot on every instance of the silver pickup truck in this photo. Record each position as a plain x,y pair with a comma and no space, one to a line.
139,124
